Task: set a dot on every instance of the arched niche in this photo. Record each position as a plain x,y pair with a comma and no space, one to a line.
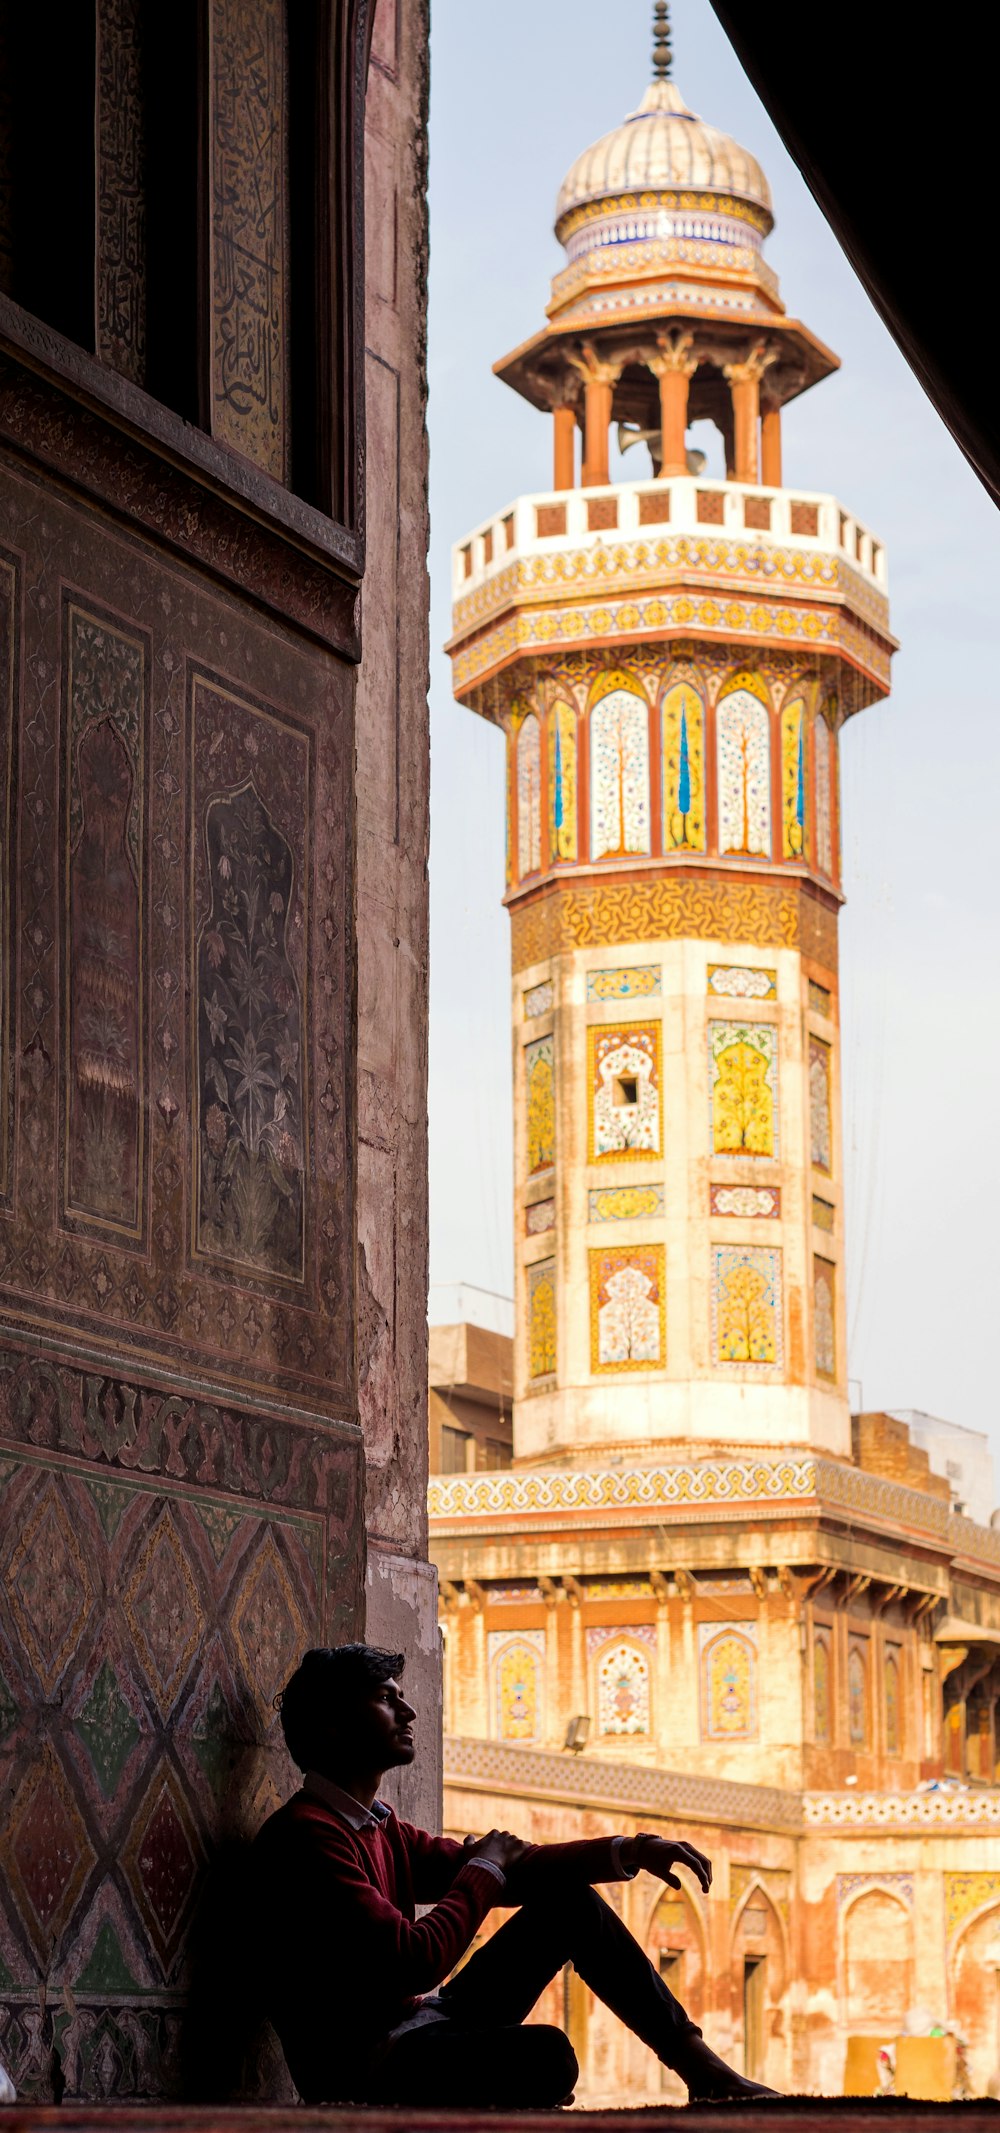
975,1991
743,766
619,767
877,1961
760,1972
622,1687
517,1685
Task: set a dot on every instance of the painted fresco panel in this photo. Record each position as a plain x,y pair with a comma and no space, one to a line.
628,1308
743,744
542,1327
743,1088
746,1306
728,1680
820,1109
825,1316
540,1104
251,866
529,797
683,721
625,1091
619,774
622,1674
794,784
563,782
105,785
517,1667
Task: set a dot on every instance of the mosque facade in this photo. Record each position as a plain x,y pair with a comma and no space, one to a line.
704,1597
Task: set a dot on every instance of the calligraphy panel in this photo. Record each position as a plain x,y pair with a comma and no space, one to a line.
251,777
249,272
121,190
105,800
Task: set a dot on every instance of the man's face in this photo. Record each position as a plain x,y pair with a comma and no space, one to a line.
386,1727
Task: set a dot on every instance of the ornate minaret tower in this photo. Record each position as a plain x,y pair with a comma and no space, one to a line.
672,659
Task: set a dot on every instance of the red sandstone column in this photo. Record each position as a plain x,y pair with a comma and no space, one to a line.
564,448
744,378
770,446
674,366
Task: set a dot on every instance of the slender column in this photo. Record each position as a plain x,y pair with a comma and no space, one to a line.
744,379
599,378
674,367
770,445
564,447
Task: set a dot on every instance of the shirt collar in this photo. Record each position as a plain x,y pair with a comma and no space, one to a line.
344,1804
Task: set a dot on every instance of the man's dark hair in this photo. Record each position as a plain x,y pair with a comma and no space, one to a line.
328,1685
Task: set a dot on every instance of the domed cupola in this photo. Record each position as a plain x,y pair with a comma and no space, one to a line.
666,311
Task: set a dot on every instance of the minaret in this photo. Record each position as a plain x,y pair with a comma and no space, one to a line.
672,659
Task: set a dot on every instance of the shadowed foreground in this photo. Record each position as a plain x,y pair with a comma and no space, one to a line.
847,2113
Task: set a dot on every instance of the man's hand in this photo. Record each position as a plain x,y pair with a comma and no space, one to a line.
659,1856
502,1848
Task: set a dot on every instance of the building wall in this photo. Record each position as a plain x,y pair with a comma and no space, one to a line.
208,1121
393,766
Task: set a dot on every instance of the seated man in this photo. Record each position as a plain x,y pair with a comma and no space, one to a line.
355,1985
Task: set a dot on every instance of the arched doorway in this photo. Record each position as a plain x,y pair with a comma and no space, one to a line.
760,1979
975,1986
675,1945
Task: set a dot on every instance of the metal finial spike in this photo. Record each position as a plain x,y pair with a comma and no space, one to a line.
662,54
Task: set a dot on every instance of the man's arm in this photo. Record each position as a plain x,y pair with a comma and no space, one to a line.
369,1931
546,1868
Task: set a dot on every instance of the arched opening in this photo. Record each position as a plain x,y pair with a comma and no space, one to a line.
675,1944
760,1977
975,2011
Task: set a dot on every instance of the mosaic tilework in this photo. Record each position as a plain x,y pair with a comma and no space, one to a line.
824,1214
820,1116
517,1668
727,1654
794,839
746,1306
683,722
539,1000
562,782
824,745
540,1093
775,914
743,745
619,770
625,1092
751,1202
529,797
622,1679
734,981
540,1217
819,998
640,981
624,1203
965,1894
627,1308
824,1317
743,1088
822,1688
541,1279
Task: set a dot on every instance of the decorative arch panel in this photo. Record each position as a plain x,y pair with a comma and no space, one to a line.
743,759
517,1684
728,1680
563,842
878,1961
622,1681
683,725
619,769
529,797
794,781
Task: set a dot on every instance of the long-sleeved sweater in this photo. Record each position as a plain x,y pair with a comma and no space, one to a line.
344,1957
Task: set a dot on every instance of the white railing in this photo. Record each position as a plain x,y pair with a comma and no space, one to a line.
556,520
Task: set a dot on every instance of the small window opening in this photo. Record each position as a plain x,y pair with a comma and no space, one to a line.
626,1089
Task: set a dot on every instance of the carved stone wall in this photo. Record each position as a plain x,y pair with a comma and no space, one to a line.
392,788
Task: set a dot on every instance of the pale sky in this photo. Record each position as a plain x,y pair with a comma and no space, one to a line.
517,93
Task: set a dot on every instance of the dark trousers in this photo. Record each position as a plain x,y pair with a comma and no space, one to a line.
478,2054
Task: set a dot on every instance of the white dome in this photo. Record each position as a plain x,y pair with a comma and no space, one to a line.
661,148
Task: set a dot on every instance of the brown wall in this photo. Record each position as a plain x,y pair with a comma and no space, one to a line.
393,762
192,1347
